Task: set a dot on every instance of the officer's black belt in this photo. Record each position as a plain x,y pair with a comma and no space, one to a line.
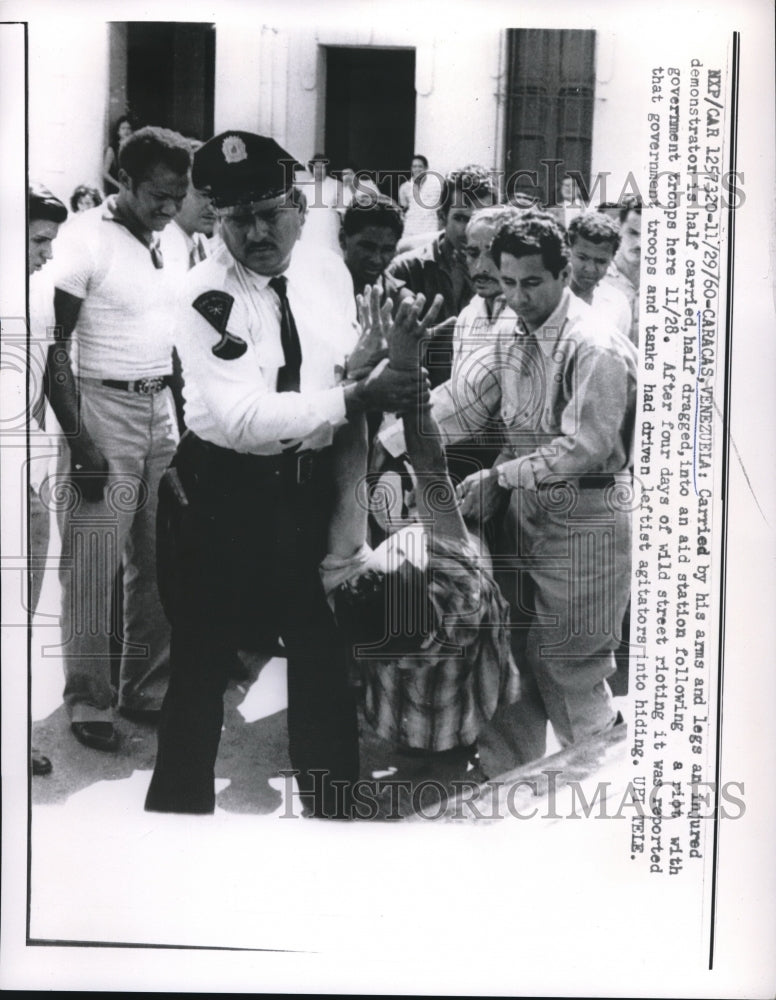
224,464
147,386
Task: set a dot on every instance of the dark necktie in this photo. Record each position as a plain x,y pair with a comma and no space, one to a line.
288,375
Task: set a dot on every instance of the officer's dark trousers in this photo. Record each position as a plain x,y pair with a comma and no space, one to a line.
244,552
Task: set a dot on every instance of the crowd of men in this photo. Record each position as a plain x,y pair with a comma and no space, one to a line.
201,374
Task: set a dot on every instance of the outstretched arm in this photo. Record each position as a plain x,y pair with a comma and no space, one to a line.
347,528
435,496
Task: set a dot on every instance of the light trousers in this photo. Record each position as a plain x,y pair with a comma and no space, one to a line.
563,563
138,435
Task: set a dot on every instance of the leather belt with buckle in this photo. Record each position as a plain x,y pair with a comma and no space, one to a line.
148,386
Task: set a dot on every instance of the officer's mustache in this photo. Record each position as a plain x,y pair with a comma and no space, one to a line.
261,245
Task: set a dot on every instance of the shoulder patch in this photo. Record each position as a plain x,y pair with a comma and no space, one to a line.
216,308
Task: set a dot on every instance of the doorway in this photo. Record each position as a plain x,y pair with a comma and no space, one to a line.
370,112
163,73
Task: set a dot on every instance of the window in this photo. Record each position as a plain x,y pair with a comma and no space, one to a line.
549,116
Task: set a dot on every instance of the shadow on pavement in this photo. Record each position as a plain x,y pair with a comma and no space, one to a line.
250,756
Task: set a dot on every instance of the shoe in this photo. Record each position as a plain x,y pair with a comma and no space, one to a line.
97,735
40,765
149,716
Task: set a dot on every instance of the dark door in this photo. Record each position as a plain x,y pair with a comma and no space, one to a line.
169,74
370,112
550,94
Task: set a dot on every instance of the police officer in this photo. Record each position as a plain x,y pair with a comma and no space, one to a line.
264,330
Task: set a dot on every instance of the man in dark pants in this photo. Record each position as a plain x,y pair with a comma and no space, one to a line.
264,331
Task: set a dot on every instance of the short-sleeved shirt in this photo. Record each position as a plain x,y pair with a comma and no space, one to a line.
322,219
228,336
421,203
124,327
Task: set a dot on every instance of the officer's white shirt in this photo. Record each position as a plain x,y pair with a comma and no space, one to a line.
230,395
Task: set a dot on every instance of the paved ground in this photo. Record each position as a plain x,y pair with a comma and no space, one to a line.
253,749
103,871
253,746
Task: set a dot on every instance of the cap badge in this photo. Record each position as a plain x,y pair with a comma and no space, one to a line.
234,149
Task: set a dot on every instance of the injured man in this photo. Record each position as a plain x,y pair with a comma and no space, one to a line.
426,624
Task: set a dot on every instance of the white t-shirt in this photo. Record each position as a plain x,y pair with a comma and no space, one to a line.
322,219
423,201
124,328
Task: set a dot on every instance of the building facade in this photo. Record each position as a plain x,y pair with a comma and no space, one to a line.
511,98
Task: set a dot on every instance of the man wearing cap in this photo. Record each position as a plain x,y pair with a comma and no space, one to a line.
113,300
264,329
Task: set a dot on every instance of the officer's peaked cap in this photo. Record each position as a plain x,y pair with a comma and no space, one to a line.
239,167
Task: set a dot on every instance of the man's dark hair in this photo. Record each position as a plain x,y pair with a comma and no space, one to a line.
530,234
374,210
150,147
470,187
422,158
629,204
595,227
42,204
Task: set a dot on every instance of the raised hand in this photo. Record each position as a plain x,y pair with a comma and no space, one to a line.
372,345
408,331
